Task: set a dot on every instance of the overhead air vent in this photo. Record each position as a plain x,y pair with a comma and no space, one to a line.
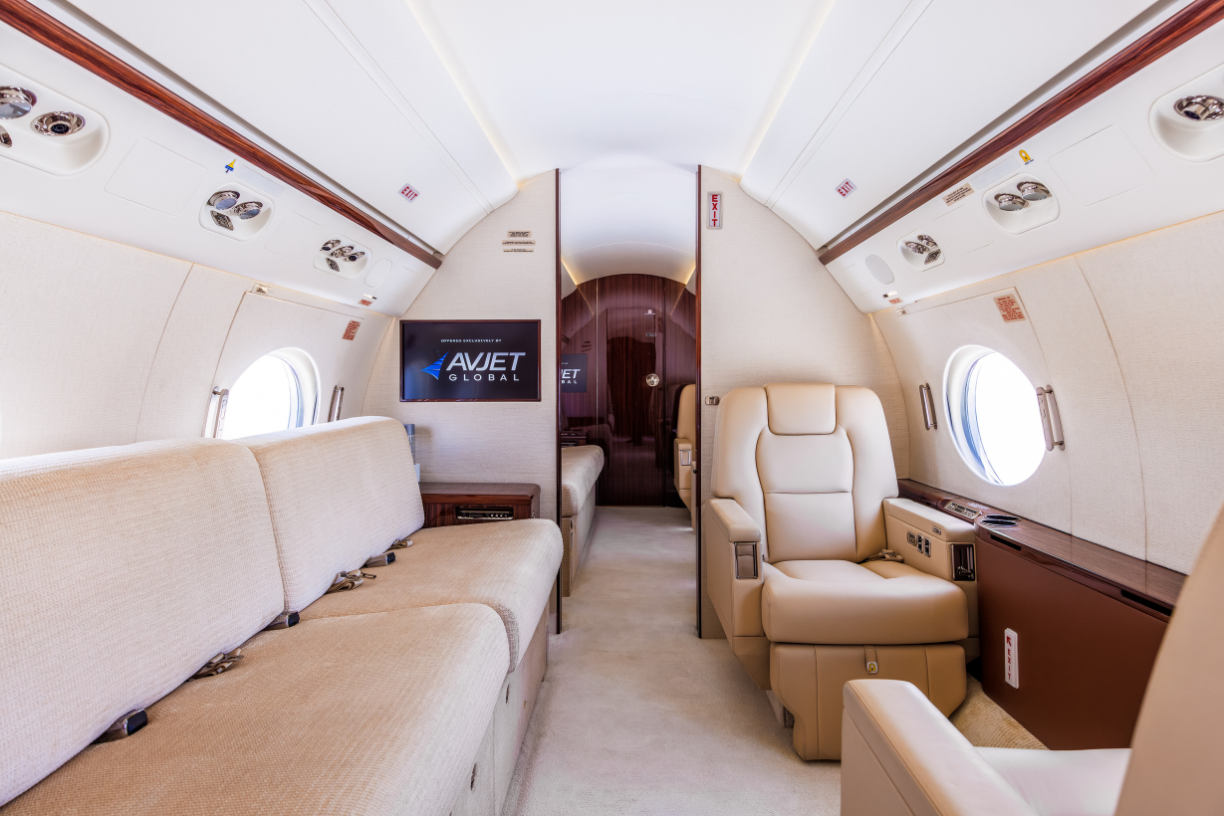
1189,121
47,130
236,212
921,251
342,258
1020,204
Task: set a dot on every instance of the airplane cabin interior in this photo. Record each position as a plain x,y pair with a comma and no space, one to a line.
423,408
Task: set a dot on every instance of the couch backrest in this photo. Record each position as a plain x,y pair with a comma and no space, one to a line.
811,463
1175,753
338,493
122,571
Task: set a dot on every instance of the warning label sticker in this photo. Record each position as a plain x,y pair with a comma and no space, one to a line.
959,193
350,331
1009,307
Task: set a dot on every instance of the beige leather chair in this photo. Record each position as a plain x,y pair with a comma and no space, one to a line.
901,757
800,475
682,449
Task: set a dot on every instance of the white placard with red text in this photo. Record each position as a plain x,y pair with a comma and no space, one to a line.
716,211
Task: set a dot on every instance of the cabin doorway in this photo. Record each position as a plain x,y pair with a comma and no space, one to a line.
628,348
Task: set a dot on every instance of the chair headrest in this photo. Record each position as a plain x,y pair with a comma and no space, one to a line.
799,409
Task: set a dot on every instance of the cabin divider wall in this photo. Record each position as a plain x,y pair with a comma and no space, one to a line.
105,344
489,441
771,312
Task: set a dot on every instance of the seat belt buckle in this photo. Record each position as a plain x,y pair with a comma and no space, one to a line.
221,663
125,726
284,620
886,555
344,581
381,560
400,543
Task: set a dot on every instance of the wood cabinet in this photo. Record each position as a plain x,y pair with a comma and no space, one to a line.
449,503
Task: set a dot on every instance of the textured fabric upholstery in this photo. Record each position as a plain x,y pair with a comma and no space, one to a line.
371,714
880,602
338,493
580,469
507,565
122,571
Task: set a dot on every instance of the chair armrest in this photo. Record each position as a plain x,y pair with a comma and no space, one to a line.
901,756
733,521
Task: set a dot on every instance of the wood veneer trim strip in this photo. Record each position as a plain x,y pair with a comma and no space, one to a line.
1188,23
45,29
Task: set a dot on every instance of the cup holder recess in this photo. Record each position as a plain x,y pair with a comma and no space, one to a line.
999,520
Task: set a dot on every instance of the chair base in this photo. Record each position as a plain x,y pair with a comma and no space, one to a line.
808,680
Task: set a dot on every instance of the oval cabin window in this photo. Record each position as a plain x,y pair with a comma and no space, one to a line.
993,412
278,391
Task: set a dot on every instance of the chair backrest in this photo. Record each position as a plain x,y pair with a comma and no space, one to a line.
686,413
811,463
122,572
338,493
1179,739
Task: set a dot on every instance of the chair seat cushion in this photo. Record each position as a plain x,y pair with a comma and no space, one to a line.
879,603
510,566
1063,783
370,714
580,469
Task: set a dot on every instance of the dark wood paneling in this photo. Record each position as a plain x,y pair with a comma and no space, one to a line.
696,494
560,415
630,326
42,27
443,499
1154,588
1191,21
1084,659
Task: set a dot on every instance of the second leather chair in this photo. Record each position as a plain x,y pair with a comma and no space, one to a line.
800,475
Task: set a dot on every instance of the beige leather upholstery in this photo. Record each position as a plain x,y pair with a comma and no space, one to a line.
510,566
580,469
879,602
901,757
372,714
339,493
686,437
123,571
803,470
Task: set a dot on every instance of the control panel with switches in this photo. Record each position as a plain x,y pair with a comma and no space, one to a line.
940,544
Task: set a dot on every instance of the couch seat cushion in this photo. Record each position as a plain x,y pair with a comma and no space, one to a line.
877,603
580,469
507,565
372,714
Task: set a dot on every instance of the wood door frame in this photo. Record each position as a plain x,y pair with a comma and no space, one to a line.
695,494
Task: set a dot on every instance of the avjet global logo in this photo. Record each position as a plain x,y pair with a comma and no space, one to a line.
488,366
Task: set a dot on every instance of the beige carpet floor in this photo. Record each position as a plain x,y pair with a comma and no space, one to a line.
638,717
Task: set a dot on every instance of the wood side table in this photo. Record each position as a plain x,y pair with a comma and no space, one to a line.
448,503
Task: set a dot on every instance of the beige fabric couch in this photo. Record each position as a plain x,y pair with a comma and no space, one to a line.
124,570
580,469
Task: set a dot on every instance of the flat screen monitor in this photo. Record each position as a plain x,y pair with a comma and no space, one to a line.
469,361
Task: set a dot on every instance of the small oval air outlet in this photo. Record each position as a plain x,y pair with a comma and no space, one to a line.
1010,202
15,102
1200,108
59,123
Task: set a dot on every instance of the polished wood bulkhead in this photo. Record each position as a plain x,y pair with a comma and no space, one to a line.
629,327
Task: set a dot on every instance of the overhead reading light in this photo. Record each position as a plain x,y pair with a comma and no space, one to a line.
1033,191
1009,202
248,209
342,258
15,102
5,139
224,200
1200,108
59,123
925,247
341,252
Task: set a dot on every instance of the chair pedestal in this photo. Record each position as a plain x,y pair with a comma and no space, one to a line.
809,679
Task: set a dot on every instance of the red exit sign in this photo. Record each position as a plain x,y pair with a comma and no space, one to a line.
846,188
716,217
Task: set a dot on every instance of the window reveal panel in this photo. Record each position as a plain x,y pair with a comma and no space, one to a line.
469,360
